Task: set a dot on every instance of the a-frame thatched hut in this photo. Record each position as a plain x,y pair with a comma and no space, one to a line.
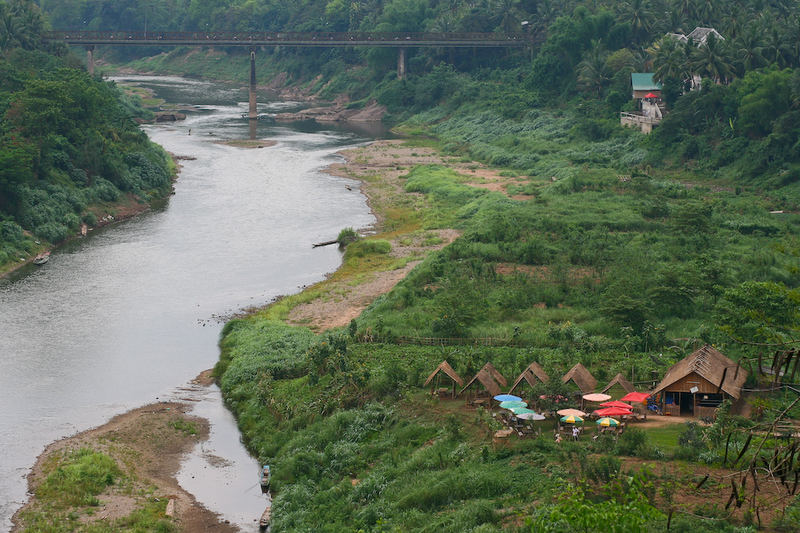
444,368
487,376
532,375
696,385
581,377
618,387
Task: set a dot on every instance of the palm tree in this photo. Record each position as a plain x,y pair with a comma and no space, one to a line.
592,72
638,14
713,60
748,49
669,60
775,49
509,14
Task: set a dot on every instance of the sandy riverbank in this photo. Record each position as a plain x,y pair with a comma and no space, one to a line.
147,444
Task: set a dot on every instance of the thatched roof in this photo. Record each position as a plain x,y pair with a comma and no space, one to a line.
532,374
445,367
581,377
498,377
484,377
711,365
620,380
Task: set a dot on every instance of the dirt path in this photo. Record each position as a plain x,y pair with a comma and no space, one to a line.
147,444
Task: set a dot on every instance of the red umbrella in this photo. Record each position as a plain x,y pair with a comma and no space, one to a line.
635,397
616,403
650,95
613,411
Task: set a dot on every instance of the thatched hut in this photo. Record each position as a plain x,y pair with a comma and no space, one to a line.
488,377
581,377
532,375
618,387
696,385
444,368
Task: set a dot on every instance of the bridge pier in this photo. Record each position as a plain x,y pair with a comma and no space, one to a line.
401,63
252,113
90,59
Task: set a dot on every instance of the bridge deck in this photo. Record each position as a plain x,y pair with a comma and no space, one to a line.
321,39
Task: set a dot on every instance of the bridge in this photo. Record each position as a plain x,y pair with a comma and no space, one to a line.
254,40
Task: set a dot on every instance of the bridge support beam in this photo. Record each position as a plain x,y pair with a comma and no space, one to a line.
401,63
252,113
90,59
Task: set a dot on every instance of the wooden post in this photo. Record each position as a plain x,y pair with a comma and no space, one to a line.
90,59
253,113
401,63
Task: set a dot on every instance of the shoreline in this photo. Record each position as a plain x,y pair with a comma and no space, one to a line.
148,444
378,166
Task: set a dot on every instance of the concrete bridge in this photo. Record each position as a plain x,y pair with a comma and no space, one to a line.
253,40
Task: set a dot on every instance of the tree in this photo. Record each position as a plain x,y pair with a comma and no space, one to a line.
639,17
592,72
669,60
761,312
748,50
713,60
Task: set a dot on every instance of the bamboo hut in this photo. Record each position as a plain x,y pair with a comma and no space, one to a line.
618,387
532,375
581,377
696,385
487,376
435,377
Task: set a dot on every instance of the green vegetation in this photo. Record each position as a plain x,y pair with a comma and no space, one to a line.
69,495
69,147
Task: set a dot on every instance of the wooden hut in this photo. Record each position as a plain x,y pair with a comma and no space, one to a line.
618,387
488,377
532,375
581,377
444,368
696,385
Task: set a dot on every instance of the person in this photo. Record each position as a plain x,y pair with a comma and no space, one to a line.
558,438
575,433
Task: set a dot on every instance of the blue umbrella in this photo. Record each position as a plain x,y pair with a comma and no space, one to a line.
507,398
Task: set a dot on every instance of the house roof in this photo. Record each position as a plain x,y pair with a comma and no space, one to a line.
445,367
582,378
620,380
700,35
533,373
484,377
643,81
710,364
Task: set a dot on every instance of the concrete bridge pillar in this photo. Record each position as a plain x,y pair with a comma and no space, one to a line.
401,63
252,113
90,59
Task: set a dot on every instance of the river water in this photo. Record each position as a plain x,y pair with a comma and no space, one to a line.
126,315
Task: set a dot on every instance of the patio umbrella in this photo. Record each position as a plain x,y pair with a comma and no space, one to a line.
571,412
572,419
530,416
607,422
650,95
521,410
596,397
509,405
613,411
635,397
616,403
507,398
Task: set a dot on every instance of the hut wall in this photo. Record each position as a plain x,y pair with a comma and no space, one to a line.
692,380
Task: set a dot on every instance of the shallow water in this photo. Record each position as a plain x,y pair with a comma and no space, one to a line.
126,315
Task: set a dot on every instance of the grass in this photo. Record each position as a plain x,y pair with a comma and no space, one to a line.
665,437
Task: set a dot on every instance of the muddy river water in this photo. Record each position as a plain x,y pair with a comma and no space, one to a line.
129,314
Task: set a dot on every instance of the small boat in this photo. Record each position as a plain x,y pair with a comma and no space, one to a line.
42,258
264,480
263,524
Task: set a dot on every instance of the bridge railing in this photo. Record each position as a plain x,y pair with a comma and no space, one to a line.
278,37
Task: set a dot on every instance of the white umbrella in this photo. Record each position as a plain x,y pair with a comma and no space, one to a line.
530,416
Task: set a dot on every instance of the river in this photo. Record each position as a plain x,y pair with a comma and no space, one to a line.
128,315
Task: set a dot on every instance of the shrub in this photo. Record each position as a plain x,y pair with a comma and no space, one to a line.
347,236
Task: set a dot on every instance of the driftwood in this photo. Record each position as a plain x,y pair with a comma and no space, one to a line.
326,243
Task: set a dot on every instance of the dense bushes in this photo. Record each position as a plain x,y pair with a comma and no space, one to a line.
66,142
